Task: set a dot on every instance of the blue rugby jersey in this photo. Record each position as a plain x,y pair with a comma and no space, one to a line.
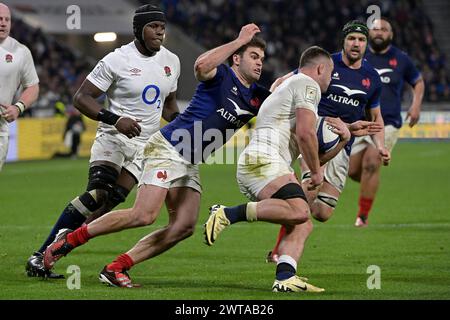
394,68
350,93
219,107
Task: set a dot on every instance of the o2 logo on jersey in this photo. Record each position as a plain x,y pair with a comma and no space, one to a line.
151,94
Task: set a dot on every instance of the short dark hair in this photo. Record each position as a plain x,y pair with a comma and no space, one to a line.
309,56
255,42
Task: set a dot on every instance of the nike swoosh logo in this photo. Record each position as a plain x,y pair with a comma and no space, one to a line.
349,91
383,71
300,287
239,111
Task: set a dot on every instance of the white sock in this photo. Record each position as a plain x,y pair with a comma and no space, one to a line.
287,259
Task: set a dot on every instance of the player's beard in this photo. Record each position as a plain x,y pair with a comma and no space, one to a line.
354,60
379,44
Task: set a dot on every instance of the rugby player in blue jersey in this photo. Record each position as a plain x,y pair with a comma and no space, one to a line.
225,99
394,68
353,93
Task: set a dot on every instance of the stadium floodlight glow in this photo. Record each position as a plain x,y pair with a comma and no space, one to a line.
105,36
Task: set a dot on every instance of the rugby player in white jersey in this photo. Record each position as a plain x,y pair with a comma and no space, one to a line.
16,70
285,127
286,124
140,83
353,94
226,98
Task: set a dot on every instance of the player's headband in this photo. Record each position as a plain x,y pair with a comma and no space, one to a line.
143,16
355,26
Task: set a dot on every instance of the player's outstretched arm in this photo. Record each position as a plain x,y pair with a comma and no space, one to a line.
364,128
84,101
206,64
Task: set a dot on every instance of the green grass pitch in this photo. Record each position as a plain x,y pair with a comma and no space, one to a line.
408,238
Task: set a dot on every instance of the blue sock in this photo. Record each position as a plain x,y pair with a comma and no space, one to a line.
70,218
284,271
236,214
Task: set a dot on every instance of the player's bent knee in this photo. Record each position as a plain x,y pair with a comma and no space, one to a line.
323,206
90,201
118,195
355,175
102,177
322,215
371,167
300,213
296,198
183,232
302,216
143,217
371,164
101,181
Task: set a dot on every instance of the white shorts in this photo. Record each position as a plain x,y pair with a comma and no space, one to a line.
257,169
336,170
165,167
119,150
390,139
4,140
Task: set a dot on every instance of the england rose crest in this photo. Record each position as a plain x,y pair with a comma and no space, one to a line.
167,71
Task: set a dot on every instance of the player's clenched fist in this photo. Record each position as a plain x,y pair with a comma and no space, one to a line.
247,32
9,113
385,155
316,180
128,127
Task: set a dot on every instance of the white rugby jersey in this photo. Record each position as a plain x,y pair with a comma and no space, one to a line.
276,121
136,86
16,69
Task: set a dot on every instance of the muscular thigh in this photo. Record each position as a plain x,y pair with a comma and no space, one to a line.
126,179
183,205
355,164
276,184
150,199
371,159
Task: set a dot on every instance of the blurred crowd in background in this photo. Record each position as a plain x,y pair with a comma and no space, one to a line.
60,71
288,27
